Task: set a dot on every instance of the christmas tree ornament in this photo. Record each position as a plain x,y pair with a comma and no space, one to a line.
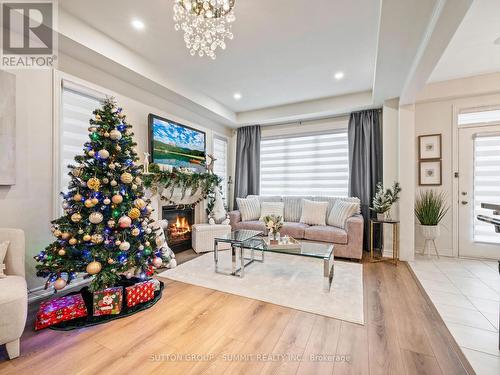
91,152
97,238
115,135
134,213
149,208
124,222
87,237
141,247
147,251
118,242
93,268
73,241
113,183
94,183
57,233
106,201
96,217
138,180
95,201
105,180
117,199
112,166
147,243
148,230
124,246
159,241
116,213
88,203
77,172
126,178
98,117
103,154
118,148
106,135
80,231
76,217
111,223
134,187
59,284
135,232
92,129
65,204
129,275
110,261
157,262
61,252
139,203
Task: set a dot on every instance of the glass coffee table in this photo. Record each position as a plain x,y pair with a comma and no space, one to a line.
243,241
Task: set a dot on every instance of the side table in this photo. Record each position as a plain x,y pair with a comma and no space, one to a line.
395,241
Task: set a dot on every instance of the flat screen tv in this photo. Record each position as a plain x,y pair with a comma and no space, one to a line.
176,145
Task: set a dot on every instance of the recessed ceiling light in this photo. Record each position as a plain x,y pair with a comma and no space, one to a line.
237,96
497,42
138,24
338,76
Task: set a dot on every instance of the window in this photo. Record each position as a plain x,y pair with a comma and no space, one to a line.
220,166
77,107
486,184
305,165
479,117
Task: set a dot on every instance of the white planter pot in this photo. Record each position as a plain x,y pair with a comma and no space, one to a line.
381,217
430,232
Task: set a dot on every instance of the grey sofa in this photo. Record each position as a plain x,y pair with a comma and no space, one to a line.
348,242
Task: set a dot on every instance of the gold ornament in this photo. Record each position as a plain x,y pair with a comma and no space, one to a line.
139,203
110,261
76,217
62,252
117,199
115,135
87,237
59,284
103,154
94,184
106,135
135,232
95,201
124,246
91,153
77,197
96,217
113,183
134,213
138,180
126,178
106,201
111,223
73,241
98,117
88,203
57,233
97,238
77,172
93,268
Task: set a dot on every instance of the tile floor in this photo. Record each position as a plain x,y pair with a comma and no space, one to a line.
466,293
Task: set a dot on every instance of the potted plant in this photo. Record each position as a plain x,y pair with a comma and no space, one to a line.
430,209
384,199
273,224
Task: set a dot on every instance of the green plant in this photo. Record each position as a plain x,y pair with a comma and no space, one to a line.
384,199
430,207
273,223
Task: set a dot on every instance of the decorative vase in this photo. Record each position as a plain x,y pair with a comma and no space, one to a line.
430,234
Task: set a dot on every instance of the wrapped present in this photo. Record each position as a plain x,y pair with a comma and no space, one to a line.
156,284
59,310
108,301
140,292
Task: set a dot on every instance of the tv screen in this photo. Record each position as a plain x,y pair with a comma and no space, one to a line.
176,145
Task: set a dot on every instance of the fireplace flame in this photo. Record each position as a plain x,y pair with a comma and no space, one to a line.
180,227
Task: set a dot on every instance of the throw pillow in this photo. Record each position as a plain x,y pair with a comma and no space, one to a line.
249,208
341,211
271,208
313,213
3,251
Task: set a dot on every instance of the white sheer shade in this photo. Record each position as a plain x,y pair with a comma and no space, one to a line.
220,166
300,165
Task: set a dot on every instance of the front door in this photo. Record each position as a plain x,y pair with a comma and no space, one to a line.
479,182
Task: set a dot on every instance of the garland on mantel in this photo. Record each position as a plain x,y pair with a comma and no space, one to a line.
158,181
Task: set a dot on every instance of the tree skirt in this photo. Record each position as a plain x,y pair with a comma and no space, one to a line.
90,320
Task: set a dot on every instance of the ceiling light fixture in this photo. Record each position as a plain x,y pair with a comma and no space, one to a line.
138,24
338,76
205,23
237,96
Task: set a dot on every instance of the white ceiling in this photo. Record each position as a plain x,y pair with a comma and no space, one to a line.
283,51
472,50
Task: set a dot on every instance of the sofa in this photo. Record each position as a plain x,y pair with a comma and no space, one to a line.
13,292
348,242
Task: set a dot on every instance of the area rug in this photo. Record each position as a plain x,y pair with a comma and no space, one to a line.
290,281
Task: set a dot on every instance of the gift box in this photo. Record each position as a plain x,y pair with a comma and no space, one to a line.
140,292
59,310
108,301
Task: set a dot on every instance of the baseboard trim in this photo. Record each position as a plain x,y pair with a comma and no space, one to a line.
39,292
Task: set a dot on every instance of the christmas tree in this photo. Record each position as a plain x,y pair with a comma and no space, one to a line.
106,230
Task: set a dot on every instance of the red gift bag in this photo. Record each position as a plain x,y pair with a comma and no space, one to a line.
59,310
139,293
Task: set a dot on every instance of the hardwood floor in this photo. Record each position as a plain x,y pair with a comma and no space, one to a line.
403,334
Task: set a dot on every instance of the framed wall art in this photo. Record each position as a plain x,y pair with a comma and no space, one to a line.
429,147
430,173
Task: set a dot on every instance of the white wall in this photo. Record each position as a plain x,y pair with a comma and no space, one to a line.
29,204
434,113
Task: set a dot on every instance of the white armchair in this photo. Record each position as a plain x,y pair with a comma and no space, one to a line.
13,292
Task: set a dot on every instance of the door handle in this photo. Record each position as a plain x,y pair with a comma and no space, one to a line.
464,202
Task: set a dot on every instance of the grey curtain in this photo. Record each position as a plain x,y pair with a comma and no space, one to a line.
247,176
365,164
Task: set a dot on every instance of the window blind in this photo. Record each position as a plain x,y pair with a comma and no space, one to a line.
77,108
486,184
305,165
220,166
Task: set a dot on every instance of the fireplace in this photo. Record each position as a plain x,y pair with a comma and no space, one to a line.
178,233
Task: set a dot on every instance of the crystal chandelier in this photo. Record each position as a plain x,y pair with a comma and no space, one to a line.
206,24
